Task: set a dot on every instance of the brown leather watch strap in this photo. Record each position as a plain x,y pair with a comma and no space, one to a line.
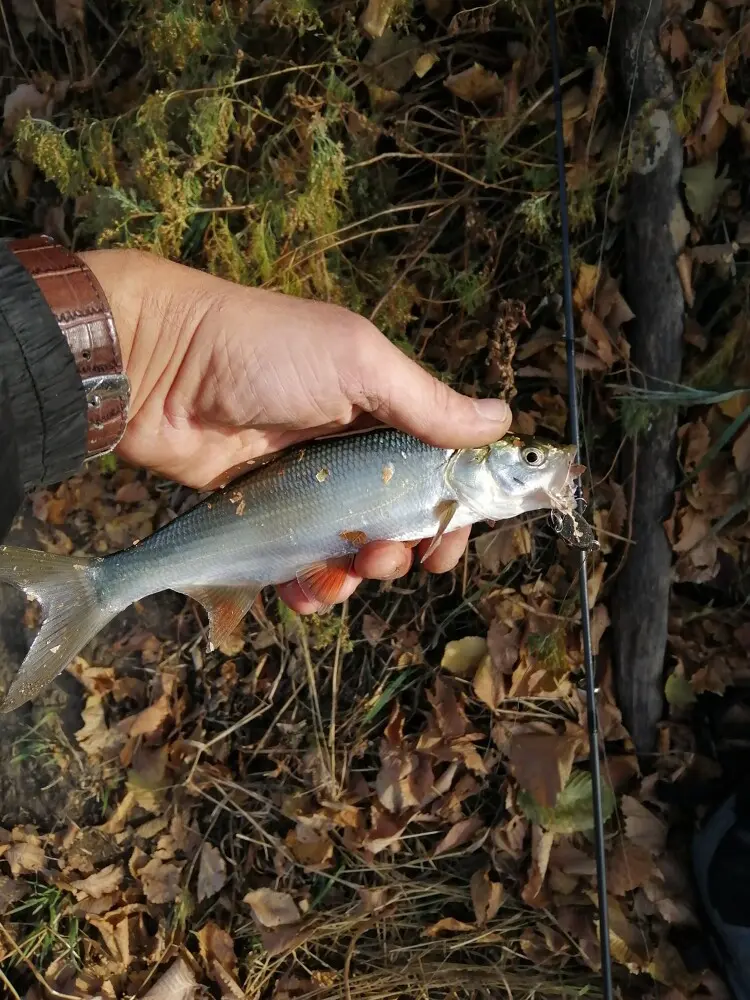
81,310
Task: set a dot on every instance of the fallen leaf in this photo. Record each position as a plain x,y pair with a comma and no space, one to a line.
541,845
24,100
627,941
212,872
27,16
489,683
11,892
160,881
597,331
447,924
376,16
703,189
475,84
101,883
713,17
459,834
271,908
25,859
642,827
502,546
542,763
629,867
150,720
405,778
678,691
449,713
741,450
177,983
461,657
69,13
310,847
573,811
586,284
486,896
216,945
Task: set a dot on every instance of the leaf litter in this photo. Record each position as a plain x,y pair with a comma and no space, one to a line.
440,832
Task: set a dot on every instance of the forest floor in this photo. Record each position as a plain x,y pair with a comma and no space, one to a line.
393,800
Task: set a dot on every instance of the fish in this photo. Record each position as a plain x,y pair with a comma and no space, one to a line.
304,515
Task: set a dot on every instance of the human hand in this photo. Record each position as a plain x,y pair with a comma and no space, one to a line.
223,375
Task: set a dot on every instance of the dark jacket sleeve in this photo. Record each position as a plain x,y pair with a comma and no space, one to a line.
42,402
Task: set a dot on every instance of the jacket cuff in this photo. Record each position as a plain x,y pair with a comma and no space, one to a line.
45,391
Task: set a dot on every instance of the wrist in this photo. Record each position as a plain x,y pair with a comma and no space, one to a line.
82,312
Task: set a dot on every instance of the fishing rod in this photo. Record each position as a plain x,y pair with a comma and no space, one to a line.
575,530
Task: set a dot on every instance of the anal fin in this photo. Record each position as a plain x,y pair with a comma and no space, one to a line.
322,581
445,512
226,607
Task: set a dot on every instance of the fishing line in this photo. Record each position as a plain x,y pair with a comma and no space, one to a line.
588,656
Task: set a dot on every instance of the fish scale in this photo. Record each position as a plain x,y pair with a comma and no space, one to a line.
304,514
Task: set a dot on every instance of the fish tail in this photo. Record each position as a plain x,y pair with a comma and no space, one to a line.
67,588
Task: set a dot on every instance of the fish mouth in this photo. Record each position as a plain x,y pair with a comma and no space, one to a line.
561,490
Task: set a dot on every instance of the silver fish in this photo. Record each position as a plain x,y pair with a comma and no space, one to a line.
303,515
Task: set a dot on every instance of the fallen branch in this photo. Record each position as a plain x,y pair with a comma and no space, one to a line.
641,598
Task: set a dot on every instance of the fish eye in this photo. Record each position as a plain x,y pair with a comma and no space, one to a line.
533,457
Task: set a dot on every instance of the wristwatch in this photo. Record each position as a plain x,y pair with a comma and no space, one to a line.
80,308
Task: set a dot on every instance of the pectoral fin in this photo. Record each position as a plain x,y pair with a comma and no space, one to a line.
322,581
445,512
226,607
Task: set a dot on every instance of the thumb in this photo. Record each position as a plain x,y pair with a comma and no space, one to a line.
404,395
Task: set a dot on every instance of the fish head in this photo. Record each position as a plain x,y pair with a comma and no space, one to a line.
514,476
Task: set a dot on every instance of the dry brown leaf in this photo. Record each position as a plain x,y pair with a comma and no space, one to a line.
501,546
25,99
272,909
69,13
27,16
447,924
150,720
460,833
386,830
11,892
310,847
405,778
629,867
599,335
627,941
542,763
373,628
461,657
212,872
586,284
642,827
216,946
486,897
177,983
741,450
25,859
489,683
475,84
449,713
160,881
375,17
101,883
541,845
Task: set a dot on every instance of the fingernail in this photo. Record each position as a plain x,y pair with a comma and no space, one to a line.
494,411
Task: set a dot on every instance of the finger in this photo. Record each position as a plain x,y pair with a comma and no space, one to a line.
294,596
401,393
383,560
448,552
